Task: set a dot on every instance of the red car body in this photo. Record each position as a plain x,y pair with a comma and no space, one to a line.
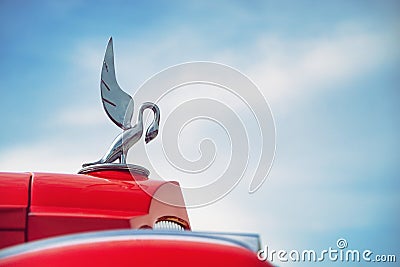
37,206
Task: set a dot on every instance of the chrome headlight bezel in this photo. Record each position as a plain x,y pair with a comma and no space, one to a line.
171,223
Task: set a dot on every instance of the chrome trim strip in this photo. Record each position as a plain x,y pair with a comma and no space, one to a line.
231,239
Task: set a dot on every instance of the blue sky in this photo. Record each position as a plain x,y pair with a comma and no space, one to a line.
329,69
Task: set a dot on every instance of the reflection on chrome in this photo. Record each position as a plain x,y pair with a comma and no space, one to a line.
119,108
168,225
247,241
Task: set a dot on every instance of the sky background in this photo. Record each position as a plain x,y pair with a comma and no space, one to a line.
329,70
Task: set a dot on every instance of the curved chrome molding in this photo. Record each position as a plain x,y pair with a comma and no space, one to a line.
245,240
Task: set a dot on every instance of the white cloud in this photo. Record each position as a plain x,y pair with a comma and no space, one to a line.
81,116
47,156
291,70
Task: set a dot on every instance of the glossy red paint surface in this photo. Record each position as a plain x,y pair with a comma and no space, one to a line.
72,203
118,175
14,189
39,205
145,253
87,195
14,194
11,237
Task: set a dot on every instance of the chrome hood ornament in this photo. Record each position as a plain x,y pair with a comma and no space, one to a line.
119,108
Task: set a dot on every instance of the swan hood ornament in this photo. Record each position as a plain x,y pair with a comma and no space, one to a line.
119,107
